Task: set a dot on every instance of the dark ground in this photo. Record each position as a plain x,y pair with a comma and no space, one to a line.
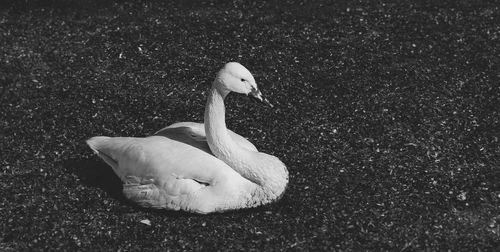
387,118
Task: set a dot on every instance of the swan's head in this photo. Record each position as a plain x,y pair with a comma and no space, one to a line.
234,77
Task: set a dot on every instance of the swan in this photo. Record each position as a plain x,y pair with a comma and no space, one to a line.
198,167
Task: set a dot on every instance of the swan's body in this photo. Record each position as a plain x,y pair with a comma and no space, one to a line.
197,167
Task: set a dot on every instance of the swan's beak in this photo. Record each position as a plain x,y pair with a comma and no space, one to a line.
258,95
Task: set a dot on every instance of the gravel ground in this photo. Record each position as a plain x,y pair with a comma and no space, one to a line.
387,116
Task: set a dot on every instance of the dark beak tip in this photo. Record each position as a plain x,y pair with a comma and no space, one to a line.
268,103
260,99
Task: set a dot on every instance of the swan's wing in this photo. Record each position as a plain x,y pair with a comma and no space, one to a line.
148,193
196,132
160,172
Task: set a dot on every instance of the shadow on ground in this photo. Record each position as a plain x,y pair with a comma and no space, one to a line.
94,173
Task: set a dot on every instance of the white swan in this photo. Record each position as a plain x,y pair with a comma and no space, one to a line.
197,167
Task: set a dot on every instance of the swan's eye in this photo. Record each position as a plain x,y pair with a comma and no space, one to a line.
242,80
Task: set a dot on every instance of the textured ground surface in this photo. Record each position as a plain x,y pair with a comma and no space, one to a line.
387,116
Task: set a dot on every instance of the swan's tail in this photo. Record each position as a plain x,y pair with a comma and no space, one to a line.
97,144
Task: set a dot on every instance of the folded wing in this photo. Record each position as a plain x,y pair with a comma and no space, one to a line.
170,172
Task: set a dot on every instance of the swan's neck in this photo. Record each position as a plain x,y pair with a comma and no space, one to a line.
267,173
219,141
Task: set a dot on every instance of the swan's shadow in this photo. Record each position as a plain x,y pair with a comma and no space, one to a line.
94,173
